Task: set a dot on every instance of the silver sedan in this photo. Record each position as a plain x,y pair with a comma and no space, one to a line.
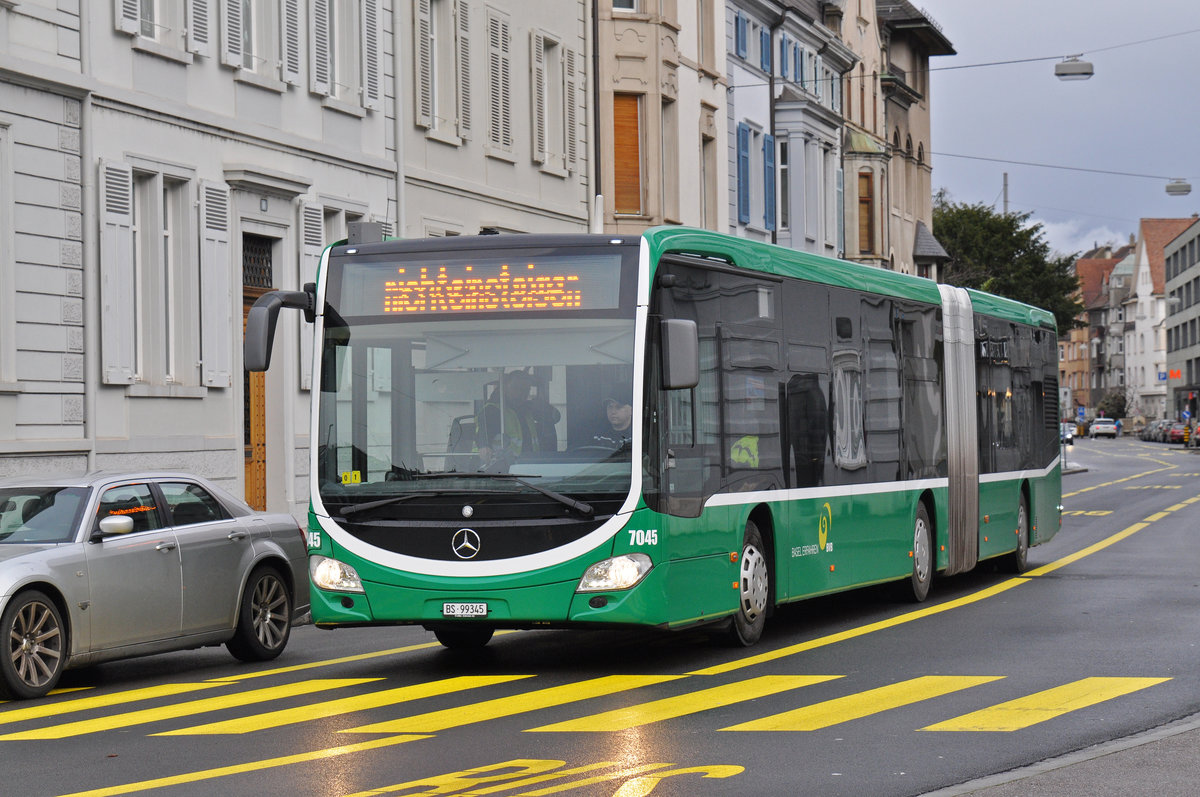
109,566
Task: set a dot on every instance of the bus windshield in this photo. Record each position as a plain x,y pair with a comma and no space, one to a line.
477,381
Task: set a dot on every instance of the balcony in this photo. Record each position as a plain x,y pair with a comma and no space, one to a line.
895,86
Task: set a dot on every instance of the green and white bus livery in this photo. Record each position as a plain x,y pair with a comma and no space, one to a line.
666,430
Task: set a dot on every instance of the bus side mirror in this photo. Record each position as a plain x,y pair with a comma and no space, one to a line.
681,354
262,319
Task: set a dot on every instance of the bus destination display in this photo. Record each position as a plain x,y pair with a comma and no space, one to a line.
528,285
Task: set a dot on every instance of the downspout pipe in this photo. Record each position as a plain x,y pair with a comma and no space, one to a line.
595,199
771,114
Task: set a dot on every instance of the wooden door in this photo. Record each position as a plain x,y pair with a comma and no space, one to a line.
254,419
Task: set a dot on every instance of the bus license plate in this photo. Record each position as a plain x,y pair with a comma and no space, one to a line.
464,610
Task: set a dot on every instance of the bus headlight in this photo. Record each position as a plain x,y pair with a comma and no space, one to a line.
620,572
330,574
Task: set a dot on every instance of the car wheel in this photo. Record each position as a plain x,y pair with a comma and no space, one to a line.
264,618
1018,560
34,651
463,637
922,556
754,589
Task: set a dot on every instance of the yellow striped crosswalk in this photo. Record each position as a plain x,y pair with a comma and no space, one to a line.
514,704
176,710
862,704
1042,706
345,705
692,695
690,703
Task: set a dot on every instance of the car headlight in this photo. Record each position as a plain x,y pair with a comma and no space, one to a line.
332,575
619,572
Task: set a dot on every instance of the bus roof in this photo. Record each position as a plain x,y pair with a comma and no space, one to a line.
772,259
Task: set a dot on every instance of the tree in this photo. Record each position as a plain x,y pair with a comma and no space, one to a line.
1000,253
1112,405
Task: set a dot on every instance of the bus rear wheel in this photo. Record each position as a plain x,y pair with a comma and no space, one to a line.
754,589
1018,560
463,637
922,556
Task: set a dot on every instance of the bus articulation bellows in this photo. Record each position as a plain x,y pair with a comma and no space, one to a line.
667,430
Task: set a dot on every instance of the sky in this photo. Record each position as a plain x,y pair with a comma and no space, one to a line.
1139,113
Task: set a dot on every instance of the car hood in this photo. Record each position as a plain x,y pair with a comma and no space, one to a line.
10,553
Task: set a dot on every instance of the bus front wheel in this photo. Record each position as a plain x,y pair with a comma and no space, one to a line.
754,589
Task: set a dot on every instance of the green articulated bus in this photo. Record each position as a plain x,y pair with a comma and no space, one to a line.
668,430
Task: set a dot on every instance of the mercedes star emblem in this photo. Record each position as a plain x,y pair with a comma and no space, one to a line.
465,543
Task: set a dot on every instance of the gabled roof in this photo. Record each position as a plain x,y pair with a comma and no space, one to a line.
1155,235
1092,273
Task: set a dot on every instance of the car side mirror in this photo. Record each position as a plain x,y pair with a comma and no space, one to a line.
116,524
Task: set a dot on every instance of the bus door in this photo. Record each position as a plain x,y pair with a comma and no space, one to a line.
724,435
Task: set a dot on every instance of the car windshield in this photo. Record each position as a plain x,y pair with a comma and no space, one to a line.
36,514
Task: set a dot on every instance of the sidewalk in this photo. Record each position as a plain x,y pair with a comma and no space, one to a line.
1164,762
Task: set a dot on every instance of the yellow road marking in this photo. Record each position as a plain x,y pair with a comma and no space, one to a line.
1042,706
863,630
469,781
1119,481
55,709
345,705
184,709
253,766
864,704
514,704
691,703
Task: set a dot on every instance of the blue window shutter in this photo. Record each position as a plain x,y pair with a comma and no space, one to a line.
743,173
764,49
769,182
783,56
797,74
739,35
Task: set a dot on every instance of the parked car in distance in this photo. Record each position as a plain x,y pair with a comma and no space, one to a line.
1103,427
114,565
1066,433
1147,432
1175,433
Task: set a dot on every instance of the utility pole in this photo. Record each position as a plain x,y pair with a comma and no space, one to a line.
1006,193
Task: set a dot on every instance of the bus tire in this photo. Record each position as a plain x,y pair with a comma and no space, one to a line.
463,637
754,589
922,555
1018,560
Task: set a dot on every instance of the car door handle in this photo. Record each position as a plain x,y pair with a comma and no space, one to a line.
237,535
165,546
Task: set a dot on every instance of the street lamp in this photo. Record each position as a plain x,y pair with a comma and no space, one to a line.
1179,188
1071,68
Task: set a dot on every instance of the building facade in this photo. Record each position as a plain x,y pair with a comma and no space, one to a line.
659,104
493,116
910,37
1182,263
180,159
786,67
1146,341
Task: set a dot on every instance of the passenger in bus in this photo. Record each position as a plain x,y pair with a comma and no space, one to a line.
512,423
619,412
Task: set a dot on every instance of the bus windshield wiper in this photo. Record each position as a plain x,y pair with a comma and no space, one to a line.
369,505
582,508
